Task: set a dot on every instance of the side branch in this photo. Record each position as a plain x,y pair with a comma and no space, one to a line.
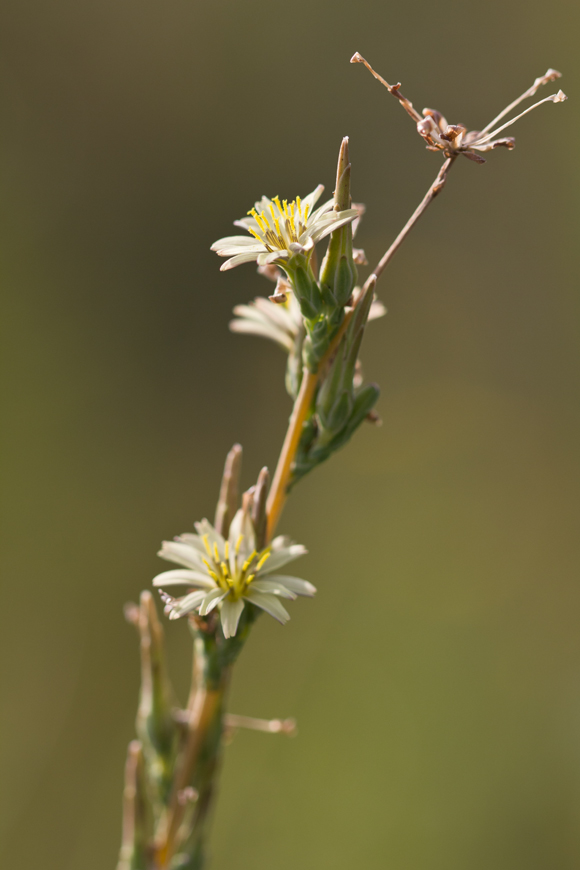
435,188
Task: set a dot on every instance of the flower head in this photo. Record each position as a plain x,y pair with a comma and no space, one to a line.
278,230
228,573
454,139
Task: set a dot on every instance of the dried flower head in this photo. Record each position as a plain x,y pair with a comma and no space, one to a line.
455,139
278,230
228,573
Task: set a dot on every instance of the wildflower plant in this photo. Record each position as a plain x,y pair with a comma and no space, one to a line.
233,570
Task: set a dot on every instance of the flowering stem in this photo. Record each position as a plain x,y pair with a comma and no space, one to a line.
279,489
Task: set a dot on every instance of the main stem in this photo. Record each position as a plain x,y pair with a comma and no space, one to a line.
279,488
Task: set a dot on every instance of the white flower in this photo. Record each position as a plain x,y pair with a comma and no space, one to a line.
280,229
280,322
228,573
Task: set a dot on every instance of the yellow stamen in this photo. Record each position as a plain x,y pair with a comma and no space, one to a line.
239,544
205,540
216,552
298,203
257,218
278,206
249,560
285,204
263,560
225,571
227,549
306,210
265,219
210,571
255,235
278,229
249,579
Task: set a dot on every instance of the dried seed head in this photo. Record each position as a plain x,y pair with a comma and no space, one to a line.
453,139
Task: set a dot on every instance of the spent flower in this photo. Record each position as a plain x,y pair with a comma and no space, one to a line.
229,573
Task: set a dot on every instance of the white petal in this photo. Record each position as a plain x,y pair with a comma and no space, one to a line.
313,197
282,557
279,314
242,525
233,241
329,228
265,259
186,605
230,616
193,541
205,528
280,541
235,250
377,310
252,327
238,260
269,603
182,553
273,588
246,222
294,584
184,578
211,600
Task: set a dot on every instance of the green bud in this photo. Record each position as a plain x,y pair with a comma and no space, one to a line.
338,272
305,287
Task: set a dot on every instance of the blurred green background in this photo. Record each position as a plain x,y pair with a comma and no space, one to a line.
436,677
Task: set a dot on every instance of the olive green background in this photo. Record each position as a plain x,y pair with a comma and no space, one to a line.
436,676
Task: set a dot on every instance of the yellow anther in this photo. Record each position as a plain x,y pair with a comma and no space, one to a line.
306,210
205,540
299,204
278,206
239,544
249,560
265,219
278,229
285,204
227,549
255,234
249,579
225,570
210,571
263,560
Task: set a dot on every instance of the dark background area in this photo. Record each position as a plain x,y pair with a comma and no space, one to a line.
436,676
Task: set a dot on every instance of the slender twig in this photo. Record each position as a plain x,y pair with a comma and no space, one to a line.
278,491
435,188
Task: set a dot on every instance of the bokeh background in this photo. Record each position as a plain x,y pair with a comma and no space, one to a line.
436,677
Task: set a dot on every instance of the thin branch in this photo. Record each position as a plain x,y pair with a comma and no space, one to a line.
435,188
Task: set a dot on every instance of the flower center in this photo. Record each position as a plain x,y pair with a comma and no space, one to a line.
230,573
282,226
